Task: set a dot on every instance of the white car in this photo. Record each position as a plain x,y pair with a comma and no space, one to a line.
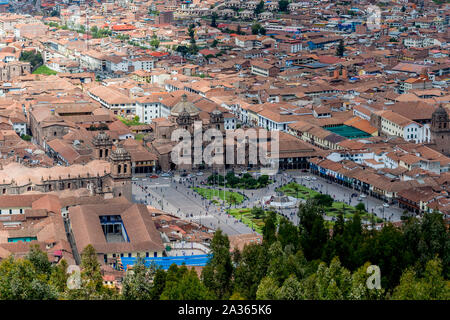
362,195
165,174
199,174
313,178
385,205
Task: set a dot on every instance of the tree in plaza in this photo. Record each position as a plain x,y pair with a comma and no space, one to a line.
250,269
137,284
432,286
258,212
232,180
313,234
270,228
263,180
324,200
216,275
232,198
340,49
360,207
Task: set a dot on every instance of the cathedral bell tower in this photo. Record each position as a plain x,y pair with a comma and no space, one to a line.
121,172
102,146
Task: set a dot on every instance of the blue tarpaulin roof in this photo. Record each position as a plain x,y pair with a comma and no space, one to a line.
166,262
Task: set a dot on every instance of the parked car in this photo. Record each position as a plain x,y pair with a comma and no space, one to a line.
385,205
199,173
154,176
362,195
165,174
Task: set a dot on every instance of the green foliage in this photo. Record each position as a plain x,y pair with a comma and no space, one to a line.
283,5
259,8
251,267
360,207
258,29
137,284
324,200
432,286
340,48
269,229
313,234
267,289
213,20
217,273
34,58
25,137
19,280
91,287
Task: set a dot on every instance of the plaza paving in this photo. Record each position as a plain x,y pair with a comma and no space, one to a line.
178,198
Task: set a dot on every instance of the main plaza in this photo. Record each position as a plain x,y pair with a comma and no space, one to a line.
192,198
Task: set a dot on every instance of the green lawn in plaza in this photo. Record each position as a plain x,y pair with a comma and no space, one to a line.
246,216
217,194
299,191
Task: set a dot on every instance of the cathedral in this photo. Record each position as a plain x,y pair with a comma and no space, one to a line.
182,116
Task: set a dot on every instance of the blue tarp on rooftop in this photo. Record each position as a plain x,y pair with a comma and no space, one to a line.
166,262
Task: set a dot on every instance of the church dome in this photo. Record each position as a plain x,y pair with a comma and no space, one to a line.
184,107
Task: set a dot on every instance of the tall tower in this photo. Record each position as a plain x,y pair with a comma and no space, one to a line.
216,119
121,172
102,146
